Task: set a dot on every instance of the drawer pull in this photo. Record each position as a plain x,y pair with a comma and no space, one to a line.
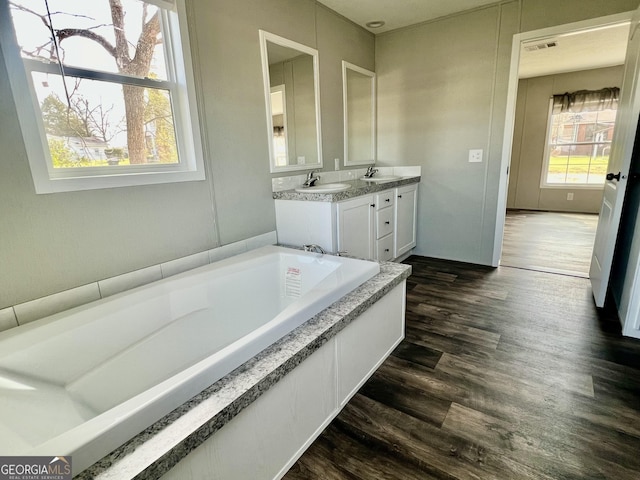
388,200
387,223
373,204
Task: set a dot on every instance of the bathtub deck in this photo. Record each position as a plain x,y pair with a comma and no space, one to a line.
157,449
504,374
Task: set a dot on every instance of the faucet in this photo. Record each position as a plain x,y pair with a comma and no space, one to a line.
311,179
312,247
370,171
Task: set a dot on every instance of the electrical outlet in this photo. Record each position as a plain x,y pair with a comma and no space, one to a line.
475,156
570,196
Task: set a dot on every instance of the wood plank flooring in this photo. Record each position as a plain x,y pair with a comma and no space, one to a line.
549,241
504,374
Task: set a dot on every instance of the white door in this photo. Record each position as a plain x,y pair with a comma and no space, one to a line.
619,164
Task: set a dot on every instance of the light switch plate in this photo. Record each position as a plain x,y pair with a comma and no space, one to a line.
475,156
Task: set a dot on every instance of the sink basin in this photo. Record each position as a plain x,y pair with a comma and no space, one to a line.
325,188
381,178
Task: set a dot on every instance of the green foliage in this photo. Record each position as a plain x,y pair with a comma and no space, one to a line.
61,155
60,120
158,112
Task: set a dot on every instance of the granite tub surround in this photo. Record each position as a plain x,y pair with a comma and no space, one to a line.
157,449
409,175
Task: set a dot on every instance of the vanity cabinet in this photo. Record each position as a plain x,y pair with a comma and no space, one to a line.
385,214
356,226
377,226
405,226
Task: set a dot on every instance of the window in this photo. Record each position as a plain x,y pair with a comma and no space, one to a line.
579,138
111,93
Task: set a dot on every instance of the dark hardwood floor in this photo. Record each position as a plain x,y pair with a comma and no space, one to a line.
549,241
504,374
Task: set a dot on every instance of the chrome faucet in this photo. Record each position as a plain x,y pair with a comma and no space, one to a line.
370,171
312,247
311,179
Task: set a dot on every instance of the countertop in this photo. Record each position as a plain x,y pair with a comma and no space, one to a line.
157,449
358,188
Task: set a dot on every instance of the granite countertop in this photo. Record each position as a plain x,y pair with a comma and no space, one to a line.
358,188
157,449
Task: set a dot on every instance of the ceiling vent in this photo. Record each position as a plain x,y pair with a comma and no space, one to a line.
540,46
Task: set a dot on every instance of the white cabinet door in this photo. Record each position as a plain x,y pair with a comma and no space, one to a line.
356,227
405,231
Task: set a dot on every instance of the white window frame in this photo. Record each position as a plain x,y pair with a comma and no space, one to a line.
546,158
180,83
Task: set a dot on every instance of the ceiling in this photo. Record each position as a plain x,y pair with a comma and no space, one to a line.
604,47
596,48
399,13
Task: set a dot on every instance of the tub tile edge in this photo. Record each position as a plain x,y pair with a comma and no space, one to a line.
183,264
127,281
7,319
56,303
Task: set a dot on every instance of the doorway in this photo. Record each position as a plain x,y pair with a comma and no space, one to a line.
552,227
553,242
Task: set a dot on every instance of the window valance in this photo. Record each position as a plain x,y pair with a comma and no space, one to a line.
586,100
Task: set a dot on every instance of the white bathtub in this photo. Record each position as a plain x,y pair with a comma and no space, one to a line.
84,381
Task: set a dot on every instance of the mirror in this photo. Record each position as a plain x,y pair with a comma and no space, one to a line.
359,98
290,73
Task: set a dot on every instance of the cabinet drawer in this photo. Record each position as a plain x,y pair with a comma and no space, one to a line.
384,222
385,199
385,248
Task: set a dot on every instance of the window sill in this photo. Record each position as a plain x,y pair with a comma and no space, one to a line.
47,185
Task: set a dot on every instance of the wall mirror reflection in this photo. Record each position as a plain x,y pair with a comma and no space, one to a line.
290,72
359,97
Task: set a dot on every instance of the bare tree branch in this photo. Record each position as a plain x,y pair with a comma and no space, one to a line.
122,46
146,44
65,33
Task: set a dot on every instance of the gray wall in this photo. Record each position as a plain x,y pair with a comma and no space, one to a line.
442,89
527,158
49,243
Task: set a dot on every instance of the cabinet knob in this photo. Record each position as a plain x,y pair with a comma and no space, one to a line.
387,223
399,196
387,200
386,249
373,204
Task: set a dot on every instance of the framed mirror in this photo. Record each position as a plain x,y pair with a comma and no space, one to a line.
359,98
290,73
